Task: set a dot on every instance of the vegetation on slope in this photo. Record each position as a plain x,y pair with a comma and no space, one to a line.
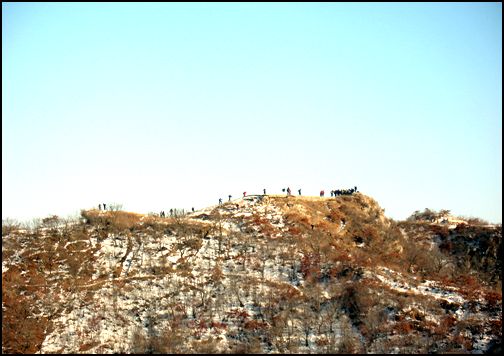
258,275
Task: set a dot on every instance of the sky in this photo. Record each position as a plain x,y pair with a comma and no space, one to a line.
174,105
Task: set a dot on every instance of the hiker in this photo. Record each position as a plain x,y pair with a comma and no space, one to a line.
99,206
264,191
283,190
355,189
192,209
288,191
244,193
299,191
312,226
171,212
229,197
104,206
220,201
332,192
321,193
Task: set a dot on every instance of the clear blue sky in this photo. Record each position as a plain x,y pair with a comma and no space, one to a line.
160,105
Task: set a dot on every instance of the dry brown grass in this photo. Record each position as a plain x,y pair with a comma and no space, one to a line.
119,220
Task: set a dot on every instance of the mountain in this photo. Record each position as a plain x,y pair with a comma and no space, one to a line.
261,274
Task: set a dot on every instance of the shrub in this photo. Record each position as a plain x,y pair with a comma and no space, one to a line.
310,266
404,327
9,226
115,207
51,221
295,231
335,216
493,298
122,220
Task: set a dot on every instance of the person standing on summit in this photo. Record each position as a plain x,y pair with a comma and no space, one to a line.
321,193
244,194
288,191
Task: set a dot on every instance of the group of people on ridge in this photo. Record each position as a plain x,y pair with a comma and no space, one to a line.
334,193
337,192
172,212
288,190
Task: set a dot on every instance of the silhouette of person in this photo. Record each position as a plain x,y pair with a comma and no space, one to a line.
283,190
192,209
264,191
220,201
321,193
288,191
99,206
332,192
244,194
104,206
229,197
171,212
299,191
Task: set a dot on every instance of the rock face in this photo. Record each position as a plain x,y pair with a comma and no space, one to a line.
261,274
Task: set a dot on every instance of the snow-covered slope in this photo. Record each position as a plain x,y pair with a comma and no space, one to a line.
261,274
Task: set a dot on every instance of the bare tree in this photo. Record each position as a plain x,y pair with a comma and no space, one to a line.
115,207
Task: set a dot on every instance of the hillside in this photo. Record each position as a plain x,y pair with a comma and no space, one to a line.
261,274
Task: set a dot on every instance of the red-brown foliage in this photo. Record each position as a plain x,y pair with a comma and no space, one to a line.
310,265
441,231
218,325
370,233
293,230
404,327
255,325
493,298
238,314
88,345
